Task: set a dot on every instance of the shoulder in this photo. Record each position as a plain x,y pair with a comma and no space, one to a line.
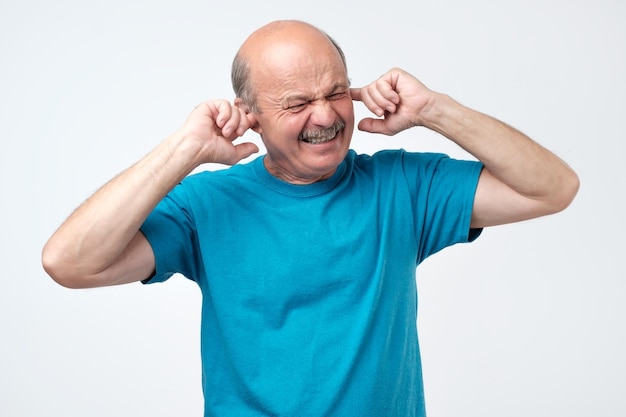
220,176
207,188
399,159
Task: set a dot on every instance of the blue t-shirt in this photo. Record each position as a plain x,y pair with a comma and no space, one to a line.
309,293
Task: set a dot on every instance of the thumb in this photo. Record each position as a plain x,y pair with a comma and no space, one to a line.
244,150
373,126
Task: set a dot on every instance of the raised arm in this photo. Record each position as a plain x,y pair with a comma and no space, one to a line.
520,180
100,243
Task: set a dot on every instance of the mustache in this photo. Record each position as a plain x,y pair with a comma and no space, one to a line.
328,132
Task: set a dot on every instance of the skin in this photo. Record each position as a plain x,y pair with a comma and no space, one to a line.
302,86
303,91
521,179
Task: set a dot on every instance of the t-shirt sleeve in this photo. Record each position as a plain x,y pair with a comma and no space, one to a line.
444,198
171,232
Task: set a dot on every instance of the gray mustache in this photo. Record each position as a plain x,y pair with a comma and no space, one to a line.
322,133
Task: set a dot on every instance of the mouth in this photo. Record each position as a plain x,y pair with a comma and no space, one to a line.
316,137
317,141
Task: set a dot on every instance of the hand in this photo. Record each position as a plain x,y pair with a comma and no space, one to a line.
218,123
397,97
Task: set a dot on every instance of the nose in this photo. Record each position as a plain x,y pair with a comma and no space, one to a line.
322,113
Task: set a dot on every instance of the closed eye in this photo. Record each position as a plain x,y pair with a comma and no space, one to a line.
337,96
299,103
297,106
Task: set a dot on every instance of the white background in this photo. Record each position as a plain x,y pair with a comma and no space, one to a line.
527,321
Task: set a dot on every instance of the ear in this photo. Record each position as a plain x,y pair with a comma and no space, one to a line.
255,124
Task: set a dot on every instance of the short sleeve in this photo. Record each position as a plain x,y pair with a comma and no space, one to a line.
171,232
444,191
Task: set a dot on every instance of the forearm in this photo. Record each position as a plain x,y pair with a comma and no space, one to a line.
521,179
509,155
96,235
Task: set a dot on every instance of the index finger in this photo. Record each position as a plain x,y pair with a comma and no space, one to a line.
356,94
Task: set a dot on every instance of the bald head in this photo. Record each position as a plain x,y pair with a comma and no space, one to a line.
262,43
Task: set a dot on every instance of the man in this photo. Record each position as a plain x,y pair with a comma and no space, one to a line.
306,256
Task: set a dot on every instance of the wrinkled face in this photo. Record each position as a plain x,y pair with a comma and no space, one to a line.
306,116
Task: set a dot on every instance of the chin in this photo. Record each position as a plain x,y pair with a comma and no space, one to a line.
326,165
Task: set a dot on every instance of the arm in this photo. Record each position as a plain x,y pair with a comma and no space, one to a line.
100,243
520,180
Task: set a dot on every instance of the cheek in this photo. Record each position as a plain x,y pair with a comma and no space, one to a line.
345,110
291,125
283,130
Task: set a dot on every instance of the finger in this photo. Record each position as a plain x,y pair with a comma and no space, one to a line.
250,122
244,121
251,119
223,112
242,151
372,125
355,93
387,88
384,95
374,100
232,124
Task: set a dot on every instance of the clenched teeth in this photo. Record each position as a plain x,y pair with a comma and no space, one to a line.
316,141
321,136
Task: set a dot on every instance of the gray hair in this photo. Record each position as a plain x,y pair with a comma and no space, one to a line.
240,77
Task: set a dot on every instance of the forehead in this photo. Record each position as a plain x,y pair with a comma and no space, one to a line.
292,68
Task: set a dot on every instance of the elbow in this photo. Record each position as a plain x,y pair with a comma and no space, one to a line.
568,190
60,270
